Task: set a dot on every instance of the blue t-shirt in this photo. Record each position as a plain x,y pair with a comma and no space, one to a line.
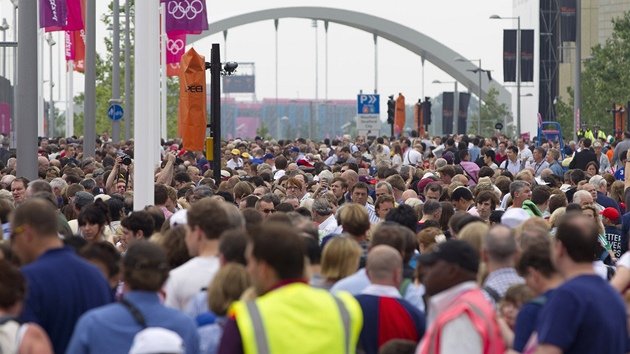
620,174
584,315
61,287
616,240
527,319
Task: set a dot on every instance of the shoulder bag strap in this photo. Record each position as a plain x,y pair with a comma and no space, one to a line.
137,315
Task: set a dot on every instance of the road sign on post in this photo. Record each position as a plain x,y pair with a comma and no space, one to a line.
369,118
115,112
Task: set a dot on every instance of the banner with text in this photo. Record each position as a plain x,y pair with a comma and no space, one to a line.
527,55
567,20
509,55
52,13
448,102
192,101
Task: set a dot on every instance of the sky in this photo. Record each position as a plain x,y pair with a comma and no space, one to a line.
462,25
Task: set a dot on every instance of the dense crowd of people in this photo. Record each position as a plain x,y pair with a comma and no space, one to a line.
418,244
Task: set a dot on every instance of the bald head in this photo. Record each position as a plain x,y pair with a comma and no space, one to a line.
461,179
408,194
499,245
351,176
384,266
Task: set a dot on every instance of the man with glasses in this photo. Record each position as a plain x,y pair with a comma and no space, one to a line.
265,205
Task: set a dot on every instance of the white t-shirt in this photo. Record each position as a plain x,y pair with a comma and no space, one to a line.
185,281
526,153
412,157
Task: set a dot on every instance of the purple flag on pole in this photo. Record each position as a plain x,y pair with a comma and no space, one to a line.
74,18
187,16
52,13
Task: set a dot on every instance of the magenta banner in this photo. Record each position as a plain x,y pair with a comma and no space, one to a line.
5,118
69,41
175,47
74,18
52,13
187,16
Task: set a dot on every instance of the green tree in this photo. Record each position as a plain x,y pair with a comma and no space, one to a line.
606,78
104,87
492,112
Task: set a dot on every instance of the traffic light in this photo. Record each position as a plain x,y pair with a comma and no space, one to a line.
427,111
391,109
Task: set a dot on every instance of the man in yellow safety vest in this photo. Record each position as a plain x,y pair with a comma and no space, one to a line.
288,316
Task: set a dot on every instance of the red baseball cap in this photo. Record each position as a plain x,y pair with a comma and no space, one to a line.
610,213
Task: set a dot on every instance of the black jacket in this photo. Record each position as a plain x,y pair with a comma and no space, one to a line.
582,158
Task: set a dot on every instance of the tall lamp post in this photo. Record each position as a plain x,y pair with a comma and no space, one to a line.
455,105
51,106
518,68
4,27
479,71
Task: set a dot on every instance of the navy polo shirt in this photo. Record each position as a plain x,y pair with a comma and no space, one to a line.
61,287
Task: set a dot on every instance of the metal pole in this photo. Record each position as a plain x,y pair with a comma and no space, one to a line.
27,103
316,62
128,106
456,111
422,61
116,67
51,107
40,82
146,80
375,63
4,50
479,123
89,111
577,96
70,103
15,69
215,109
276,23
326,61
518,78
164,84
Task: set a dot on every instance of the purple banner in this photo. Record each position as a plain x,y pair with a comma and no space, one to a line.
74,18
52,13
187,16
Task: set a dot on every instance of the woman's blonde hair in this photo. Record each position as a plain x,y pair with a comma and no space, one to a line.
616,191
474,233
340,258
226,287
555,216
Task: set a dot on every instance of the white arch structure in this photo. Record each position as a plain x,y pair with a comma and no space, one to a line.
418,43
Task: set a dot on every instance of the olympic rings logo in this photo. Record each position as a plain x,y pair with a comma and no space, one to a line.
175,46
186,8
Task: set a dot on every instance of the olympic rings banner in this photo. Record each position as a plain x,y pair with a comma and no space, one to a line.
187,16
175,47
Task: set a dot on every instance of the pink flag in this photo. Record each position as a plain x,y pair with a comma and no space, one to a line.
175,47
75,19
69,36
188,16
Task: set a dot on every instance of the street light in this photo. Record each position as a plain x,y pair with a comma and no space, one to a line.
480,71
4,28
518,68
455,105
51,114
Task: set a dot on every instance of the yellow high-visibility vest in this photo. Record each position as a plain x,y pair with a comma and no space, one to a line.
298,318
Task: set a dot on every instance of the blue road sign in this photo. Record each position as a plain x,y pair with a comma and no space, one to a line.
115,112
368,104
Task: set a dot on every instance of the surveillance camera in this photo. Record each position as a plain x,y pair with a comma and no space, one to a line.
230,67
